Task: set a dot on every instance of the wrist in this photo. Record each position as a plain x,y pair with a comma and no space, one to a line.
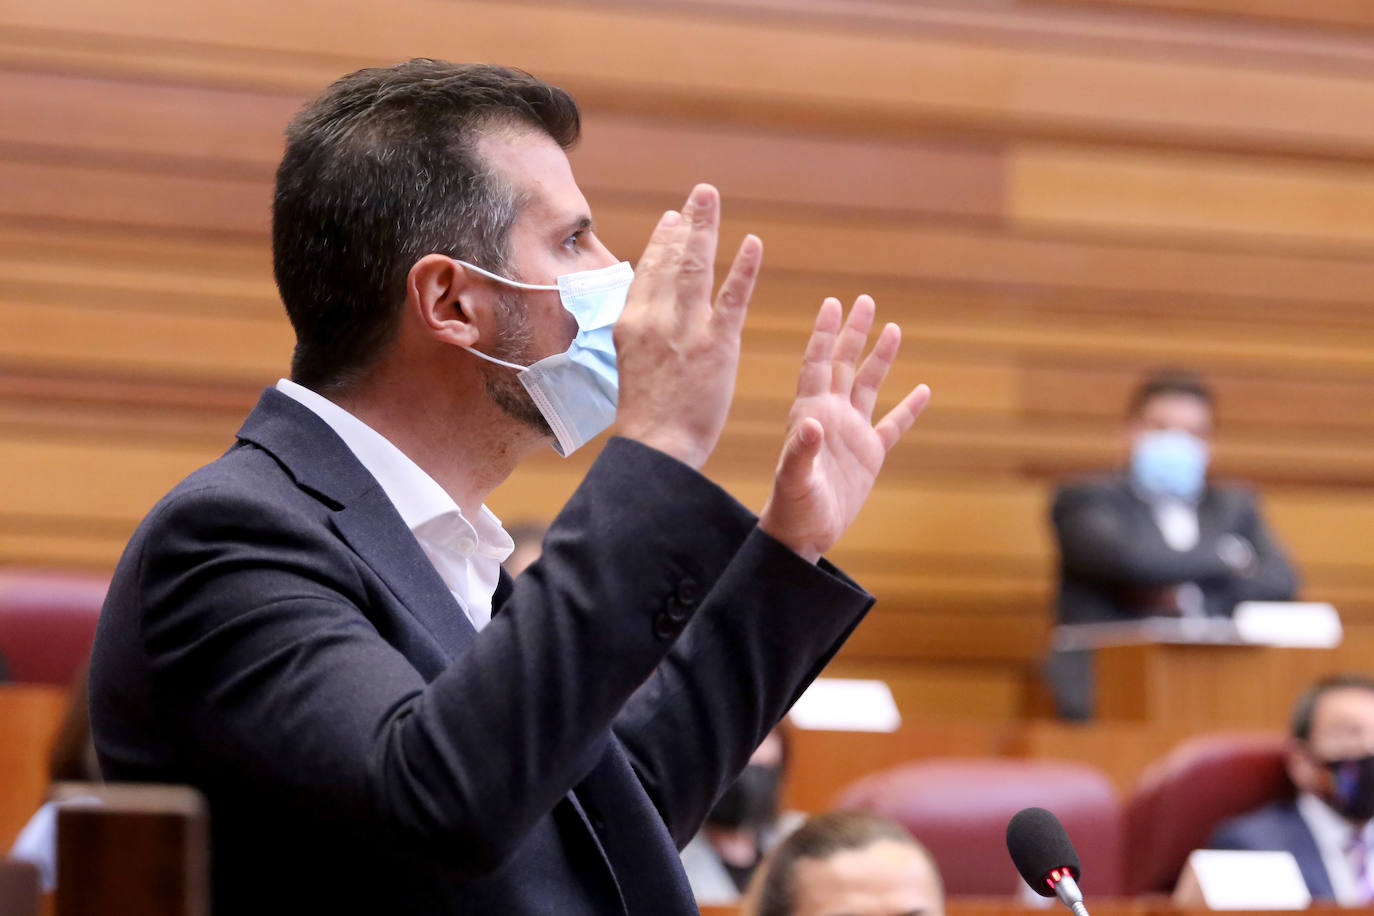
800,546
674,446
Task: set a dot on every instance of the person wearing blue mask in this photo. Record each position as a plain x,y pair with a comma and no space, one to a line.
316,631
1158,538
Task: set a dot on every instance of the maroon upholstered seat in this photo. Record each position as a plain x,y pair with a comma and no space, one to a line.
1181,798
47,623
959,808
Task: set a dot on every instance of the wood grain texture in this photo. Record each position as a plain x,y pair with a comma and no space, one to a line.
1051,198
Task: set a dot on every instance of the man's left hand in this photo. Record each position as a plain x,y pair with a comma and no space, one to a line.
833,450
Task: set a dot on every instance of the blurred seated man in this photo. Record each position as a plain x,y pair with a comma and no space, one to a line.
1157,538
741,827
848,863
1327,826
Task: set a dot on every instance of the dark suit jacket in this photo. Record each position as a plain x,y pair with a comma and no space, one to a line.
1277,827
275,636
1112,552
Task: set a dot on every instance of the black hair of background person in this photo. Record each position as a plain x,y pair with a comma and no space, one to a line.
1305,707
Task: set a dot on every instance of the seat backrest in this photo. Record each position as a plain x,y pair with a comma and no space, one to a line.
1181,798
959,809
47,623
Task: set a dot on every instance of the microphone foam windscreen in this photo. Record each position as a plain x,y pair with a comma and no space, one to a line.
1038,845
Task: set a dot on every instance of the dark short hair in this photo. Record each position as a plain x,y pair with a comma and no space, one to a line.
1169,381
821,837
1305,709
380,171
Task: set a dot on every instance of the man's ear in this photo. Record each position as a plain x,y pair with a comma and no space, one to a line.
449,306
1304,772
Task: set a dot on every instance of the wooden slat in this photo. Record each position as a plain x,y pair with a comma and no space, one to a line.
849,250
1208,196
874,79
209,130
109,196
1355,13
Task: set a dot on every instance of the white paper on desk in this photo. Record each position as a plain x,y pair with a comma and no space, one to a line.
1289,624
1247,880
847,705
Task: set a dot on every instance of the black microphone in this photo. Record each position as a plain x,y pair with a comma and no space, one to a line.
1043,855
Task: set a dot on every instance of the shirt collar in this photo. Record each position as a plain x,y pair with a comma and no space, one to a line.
1326,822
417,497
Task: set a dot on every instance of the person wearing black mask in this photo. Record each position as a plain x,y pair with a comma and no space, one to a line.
743,825
1328,826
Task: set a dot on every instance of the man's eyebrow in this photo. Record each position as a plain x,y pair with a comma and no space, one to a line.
580,223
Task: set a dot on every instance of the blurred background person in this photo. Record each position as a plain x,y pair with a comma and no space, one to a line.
743,825
847,862
528,536
1327,825
1157,538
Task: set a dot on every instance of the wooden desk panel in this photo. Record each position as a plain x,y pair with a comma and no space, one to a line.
29,719
1205,686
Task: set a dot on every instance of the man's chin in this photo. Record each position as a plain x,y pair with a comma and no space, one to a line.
514,401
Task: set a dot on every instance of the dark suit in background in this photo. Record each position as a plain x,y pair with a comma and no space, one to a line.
1115,565
275,636
1277,827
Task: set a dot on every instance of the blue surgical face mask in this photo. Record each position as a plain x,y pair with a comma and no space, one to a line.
1170,462
576,390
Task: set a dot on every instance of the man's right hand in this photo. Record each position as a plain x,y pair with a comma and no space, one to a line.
676,350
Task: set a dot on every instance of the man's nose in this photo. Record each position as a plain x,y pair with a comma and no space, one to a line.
603,256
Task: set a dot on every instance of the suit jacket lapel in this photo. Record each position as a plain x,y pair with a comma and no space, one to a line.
320,462
374,529
1304,848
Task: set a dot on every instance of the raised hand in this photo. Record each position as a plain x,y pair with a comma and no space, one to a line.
677,352
833,450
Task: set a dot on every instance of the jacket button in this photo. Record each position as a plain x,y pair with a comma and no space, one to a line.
665,626
688,593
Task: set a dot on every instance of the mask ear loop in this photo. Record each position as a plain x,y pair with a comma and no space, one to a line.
500,279
492,359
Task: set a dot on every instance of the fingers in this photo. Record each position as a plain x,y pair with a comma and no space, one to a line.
798,455
815,372
850,345
696,268
733,300
874,369
655,264
899,419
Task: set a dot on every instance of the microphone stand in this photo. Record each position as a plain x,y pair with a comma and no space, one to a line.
1070,895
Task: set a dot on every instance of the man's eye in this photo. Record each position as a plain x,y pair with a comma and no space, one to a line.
572,240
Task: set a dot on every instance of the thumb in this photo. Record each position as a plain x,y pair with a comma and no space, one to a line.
799,452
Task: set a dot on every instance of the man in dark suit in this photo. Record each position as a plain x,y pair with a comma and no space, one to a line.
1158,538
1327,826
315,630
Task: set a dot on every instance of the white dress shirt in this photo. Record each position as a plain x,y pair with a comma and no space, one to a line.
1334,836
467,555
1178,523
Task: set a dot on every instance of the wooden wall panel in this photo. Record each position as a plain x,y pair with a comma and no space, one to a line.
1327,13
1226,197
1051,198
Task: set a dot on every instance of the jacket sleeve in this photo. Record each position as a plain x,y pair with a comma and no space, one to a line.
274,673
1096,543
1272,578
762,634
